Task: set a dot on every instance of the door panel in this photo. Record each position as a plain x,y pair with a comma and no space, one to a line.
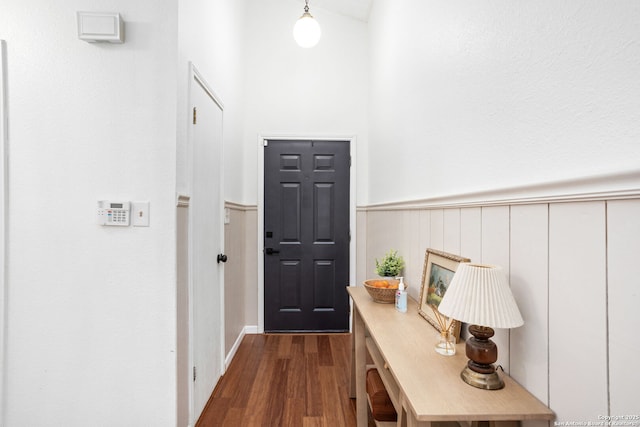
306,235
206,236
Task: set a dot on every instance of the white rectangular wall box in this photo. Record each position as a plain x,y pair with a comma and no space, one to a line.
100,27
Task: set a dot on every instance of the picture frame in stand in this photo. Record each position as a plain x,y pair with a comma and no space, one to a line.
439,268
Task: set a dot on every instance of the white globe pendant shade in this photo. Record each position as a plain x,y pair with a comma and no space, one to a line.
306,31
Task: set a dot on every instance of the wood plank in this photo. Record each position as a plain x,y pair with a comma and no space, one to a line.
275,390
296,384
216,411
437,229
310,344
325,355
313,422
234,417
258,399
451,231
386,238
239,382
623,227
313,397
424,230
529,344
293,411
577,310
284,346
424,242
333,414
495,250
412,251
471,234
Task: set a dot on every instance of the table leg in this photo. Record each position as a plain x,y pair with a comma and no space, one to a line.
360,368
352,382
406,417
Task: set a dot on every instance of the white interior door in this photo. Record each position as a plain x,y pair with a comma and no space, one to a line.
206,236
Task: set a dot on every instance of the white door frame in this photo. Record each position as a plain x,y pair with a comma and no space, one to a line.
196,78
4,140
352,208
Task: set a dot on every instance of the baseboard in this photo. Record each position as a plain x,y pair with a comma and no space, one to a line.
252,329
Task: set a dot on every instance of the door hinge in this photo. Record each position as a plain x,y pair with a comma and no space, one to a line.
349,161
195,115
265,142
194,374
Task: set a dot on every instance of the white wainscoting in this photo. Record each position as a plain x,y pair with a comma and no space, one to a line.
573,267
577,309
530,285
240,274
623,279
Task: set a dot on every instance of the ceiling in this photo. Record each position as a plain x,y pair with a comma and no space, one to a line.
357,9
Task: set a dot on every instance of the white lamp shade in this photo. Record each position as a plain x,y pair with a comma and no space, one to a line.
480,295
306,31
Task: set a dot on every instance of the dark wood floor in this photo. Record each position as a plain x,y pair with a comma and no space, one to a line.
285,380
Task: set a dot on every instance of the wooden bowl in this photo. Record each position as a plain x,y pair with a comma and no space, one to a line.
381,294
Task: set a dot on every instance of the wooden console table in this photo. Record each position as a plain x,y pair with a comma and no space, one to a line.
425,386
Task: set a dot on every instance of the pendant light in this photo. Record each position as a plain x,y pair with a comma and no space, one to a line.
306,31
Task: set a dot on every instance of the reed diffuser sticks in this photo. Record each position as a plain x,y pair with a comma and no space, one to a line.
442,321
446,344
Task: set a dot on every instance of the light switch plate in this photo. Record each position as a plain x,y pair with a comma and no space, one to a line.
140,214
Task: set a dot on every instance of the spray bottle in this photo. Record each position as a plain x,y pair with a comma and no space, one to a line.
401,297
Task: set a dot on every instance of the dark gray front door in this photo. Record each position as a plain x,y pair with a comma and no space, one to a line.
306,240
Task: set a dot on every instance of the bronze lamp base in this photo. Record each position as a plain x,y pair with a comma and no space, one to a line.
485,381
482,353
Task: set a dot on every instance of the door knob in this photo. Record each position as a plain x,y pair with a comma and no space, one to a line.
222,258
271,251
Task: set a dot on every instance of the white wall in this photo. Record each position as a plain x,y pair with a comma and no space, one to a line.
91,309
474,95
211,36
320,91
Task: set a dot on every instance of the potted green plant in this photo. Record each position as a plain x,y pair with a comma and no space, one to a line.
390,265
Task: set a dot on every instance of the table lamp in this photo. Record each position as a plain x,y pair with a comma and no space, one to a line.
480,295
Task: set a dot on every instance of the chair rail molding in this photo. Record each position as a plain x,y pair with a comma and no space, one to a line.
182,201
240,206
612,186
